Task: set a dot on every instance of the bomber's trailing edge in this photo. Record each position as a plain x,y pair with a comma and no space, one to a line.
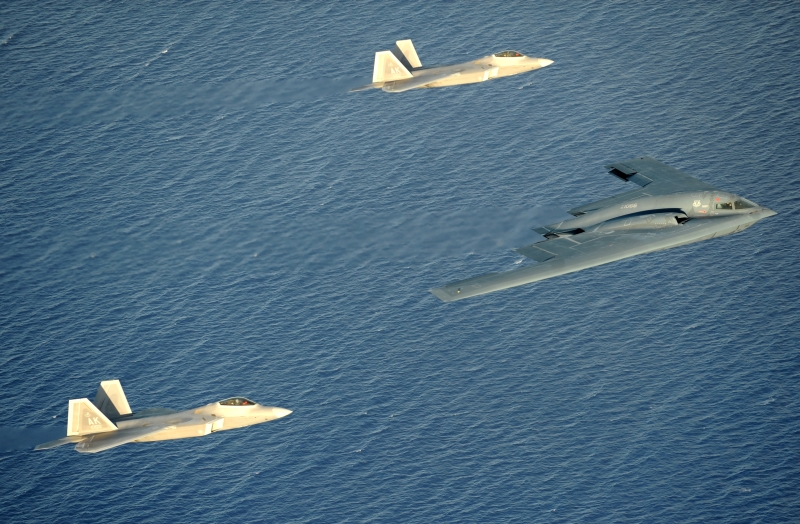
670,209
108,421
400,69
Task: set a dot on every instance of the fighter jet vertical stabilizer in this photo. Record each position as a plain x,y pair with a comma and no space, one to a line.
85,419
405,52
388,68
110,399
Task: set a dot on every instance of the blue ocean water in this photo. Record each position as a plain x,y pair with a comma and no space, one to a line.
191,202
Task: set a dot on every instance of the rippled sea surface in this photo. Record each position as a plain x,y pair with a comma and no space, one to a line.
191,202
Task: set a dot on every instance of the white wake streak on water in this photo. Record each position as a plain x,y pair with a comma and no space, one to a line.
161,101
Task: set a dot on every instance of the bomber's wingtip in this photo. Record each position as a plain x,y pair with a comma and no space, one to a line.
442,294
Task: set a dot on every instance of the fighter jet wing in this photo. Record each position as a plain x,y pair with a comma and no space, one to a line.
574,253
112,439
398,86
656,178
58,442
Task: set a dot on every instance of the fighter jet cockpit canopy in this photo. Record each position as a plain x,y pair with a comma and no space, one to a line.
237,401
508,54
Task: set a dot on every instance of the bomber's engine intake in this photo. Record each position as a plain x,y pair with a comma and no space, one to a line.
640,222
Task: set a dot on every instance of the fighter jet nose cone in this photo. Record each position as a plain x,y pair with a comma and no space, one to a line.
544,62
280,412
767,212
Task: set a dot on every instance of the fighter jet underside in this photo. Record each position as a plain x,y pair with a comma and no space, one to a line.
670,209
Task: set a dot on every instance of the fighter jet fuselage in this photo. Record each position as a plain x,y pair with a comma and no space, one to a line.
401,70
201,421
108,422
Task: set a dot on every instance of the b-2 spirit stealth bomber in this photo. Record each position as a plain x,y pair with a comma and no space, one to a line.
400,69
108,421
670,209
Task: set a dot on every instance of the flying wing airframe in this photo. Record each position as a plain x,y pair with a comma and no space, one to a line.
107,422
670,209
400,69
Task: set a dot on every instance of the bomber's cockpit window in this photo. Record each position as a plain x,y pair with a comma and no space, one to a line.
238,401
742,204
724,205
508,54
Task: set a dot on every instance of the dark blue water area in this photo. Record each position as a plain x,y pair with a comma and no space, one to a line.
192,202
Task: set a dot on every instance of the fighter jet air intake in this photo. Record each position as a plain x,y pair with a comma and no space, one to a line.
108,422
670,209
400,69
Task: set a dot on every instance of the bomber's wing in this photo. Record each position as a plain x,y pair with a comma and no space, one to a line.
111,439
573,253
654,177
398,86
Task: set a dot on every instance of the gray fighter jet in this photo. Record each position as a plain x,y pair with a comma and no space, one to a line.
399,70
108,422
670,209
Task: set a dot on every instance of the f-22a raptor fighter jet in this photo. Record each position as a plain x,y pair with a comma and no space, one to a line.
399,70
670,209
108,422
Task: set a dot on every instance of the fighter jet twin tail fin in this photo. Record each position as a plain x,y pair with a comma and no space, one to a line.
87,418
395,64
89,425
90,418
